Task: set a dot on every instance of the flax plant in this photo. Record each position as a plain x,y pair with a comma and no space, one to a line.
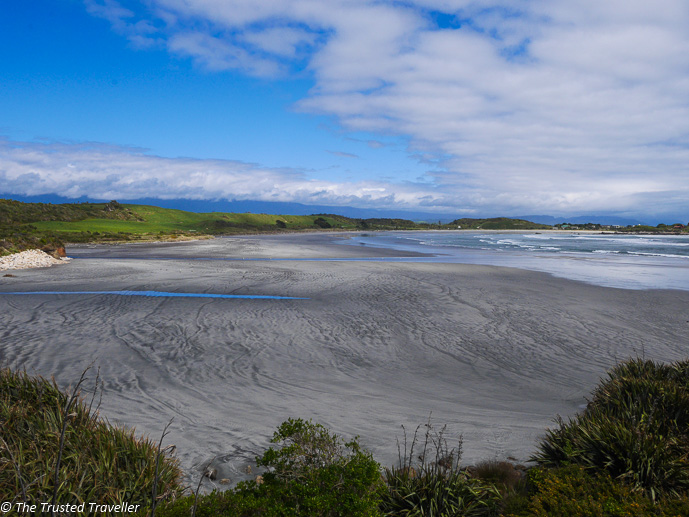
54,447
428,482
635,428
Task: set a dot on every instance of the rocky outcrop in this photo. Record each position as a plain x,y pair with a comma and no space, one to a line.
57,252
30,259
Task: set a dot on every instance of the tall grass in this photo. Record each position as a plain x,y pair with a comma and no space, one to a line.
428,481
54,447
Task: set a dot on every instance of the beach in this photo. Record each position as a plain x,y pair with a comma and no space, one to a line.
364,347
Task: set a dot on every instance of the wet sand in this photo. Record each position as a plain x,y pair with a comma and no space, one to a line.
493,352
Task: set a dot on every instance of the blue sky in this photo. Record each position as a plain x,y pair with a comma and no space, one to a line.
499,107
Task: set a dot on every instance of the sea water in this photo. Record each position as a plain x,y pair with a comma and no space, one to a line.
613,260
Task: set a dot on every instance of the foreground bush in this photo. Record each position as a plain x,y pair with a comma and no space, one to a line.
636,428
627,454
46,435
433,492
576,492
313,473
429,482
316,473
571,492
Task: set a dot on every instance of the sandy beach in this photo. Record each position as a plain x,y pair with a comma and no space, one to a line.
493,352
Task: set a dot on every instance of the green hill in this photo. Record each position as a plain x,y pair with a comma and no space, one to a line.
497,223
47,226
16,212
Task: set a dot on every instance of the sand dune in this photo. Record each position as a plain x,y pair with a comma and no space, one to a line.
493,352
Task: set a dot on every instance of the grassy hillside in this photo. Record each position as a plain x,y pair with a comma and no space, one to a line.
497,223
154,220
47,226
16,212
141,219
17,231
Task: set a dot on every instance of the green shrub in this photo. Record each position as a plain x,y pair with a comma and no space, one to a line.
435,493
244,501
637,454
678,507
322,223
636,428
313,473
429,482
502,474
43,430
571,492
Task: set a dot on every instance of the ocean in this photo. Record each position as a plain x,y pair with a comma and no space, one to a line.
611,260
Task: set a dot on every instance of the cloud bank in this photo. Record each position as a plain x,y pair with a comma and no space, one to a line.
536,106
110,172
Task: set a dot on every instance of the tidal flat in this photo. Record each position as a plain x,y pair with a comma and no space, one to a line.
366,346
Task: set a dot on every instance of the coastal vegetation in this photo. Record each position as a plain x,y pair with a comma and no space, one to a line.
42,225
54,448
497,223
48,226
635,428
662,228
626,454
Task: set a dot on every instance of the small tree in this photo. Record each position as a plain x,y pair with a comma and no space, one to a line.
322,223
316,473
112,206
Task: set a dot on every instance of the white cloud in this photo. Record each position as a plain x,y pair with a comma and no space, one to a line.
547,104
280,41
215,54
342,154
111,10
110,172
141,33
107,172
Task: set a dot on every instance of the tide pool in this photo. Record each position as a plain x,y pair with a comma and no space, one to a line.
167,295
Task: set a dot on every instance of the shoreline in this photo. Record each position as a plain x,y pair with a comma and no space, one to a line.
604,269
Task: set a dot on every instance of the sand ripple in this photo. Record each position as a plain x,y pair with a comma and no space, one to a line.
493,352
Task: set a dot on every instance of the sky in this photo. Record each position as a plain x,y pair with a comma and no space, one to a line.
490,108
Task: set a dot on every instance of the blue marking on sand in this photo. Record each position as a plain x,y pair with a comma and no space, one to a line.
170,295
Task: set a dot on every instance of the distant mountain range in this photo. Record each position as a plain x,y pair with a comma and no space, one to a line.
269,207
256,207
582,219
